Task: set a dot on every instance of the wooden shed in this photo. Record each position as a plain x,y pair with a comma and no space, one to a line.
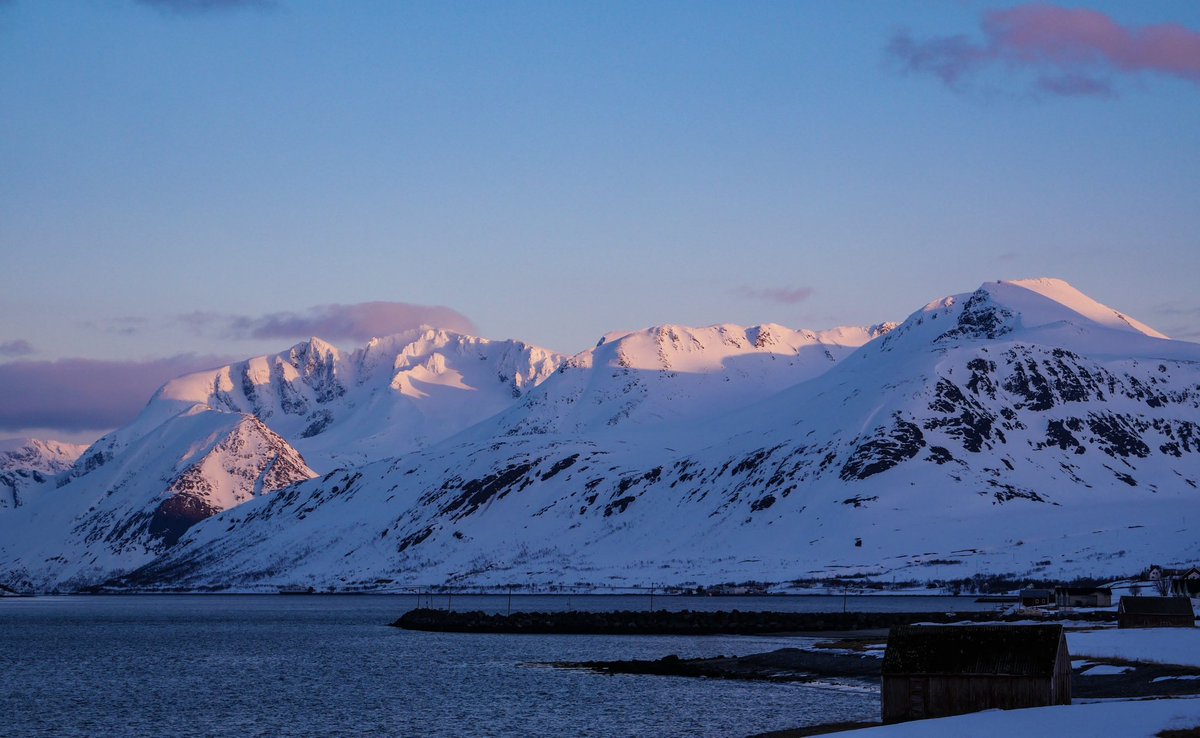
1155,612
939,670
1083,596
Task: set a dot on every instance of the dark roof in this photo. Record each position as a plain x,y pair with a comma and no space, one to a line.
1082,590
1036,593
1156,606
1011,650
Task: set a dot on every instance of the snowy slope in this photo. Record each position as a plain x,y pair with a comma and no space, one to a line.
674,373
1019,428
28,463
396,394
1115,718
119,514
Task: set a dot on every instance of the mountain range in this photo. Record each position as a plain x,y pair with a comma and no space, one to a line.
1021,428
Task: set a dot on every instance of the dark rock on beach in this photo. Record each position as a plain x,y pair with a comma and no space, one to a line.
783,665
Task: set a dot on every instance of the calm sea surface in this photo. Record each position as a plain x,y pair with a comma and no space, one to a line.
271,665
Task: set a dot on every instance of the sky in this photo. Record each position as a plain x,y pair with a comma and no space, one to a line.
187,182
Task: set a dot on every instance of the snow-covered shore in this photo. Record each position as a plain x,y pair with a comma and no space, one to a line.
1116,719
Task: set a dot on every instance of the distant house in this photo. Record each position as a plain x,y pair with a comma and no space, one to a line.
749,588
1035,597
1083,596
938,670
1186,583
1155,612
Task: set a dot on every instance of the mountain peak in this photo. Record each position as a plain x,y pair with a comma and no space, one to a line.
317,346
1038,310
1058,294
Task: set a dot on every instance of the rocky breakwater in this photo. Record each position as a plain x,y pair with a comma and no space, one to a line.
682,622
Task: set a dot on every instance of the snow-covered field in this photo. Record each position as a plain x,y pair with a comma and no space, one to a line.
1179,646
1116,719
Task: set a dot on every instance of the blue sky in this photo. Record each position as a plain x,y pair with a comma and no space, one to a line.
173,171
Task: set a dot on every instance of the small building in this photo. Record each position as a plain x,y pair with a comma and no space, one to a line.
1186,587
1036,597
1186,583
1155,612
939,670
1083,596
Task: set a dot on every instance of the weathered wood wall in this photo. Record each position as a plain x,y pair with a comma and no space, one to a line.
918,697
1142,620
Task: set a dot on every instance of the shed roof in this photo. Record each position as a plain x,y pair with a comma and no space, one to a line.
959,650
1156,606
1036,593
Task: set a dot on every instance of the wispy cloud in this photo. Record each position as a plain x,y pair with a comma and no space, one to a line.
1071,51
1175,308
128,325
86,394
204,6
16,347
358,322
781,295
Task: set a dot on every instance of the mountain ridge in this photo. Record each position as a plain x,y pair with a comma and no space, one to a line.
1008,429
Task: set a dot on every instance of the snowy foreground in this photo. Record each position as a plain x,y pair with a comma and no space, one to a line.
1116,718
1146,717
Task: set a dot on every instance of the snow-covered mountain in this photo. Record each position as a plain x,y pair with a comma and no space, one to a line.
112,514
395,395
1019,428
389,398
28,463
674,373
1022,427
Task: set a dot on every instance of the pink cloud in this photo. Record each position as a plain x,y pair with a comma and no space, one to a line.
1073,48
359,322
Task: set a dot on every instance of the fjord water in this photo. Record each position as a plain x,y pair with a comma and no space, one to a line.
270,665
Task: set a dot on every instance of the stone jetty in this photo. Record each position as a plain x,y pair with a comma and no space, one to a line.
687,622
